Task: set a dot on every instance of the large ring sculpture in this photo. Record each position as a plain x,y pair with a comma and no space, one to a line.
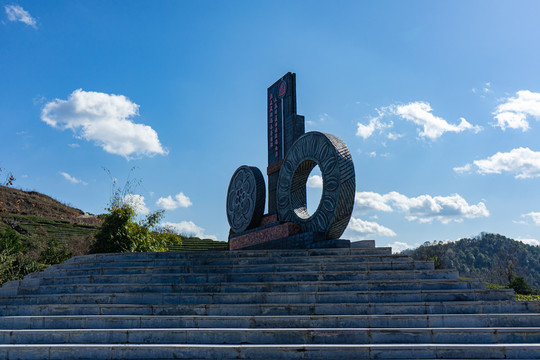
245,198
337,169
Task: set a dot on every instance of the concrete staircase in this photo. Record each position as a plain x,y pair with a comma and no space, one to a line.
358,303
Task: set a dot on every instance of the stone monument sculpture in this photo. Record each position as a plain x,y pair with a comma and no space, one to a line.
292,154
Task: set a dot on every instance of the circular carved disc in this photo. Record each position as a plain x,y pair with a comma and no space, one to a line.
337,169
245,198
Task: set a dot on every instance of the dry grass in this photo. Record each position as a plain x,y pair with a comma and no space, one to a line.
32,203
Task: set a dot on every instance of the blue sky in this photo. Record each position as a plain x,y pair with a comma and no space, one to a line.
438,103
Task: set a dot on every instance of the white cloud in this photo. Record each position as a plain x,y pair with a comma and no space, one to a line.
375,123
485,89
366,201
522,162
137,203
106,120
399,246
423,208
463,169
17,13
168,203
188,228
72,179
532,242
369,228
315,182
394,136
514,111
420,113
534,216
322,118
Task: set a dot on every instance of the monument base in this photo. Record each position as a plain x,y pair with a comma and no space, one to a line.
271,234
310,240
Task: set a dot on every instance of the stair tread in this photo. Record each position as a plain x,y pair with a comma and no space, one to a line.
367,302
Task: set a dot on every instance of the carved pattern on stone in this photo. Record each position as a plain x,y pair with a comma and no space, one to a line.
337,169
246,196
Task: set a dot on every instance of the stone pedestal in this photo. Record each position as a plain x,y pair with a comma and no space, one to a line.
272,234
269,229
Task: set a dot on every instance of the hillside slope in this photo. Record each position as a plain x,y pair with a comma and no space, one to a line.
38,219
491,257
19,202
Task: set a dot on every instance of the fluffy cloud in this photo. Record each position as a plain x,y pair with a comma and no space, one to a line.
315,182
17,13
420,113
366,201
522,162
106,120
72,179
137,203
514,111
423,208
534,216
375,123
532,242
188,228
368,228
463,169
394,136
168,203
399,246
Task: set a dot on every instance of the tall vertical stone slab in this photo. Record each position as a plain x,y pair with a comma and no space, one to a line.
284,127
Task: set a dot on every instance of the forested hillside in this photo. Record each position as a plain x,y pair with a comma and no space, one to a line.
491,257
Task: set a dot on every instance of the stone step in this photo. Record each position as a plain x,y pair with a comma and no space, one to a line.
336,297
271,351
274,321
234,254
229,262
276,309
261,287
46,280
364,266
509,335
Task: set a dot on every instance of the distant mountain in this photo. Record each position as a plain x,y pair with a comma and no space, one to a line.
491,257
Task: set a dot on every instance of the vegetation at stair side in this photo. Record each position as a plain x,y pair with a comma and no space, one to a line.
498,260
122,232
25,244
21,255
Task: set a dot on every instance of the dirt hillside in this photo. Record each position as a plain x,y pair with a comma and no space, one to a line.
32,203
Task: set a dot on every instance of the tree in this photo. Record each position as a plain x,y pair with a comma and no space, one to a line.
520,286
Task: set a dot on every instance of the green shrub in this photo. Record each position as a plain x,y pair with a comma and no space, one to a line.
20,256
520,286
121,233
